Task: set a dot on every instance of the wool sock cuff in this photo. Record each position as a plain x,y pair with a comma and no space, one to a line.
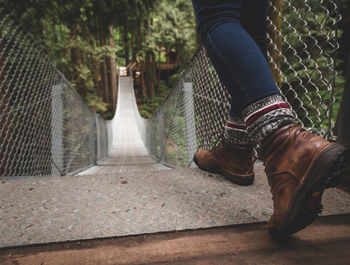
266,116
236,133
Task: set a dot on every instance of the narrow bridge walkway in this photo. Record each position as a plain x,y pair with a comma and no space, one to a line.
127,152
130,194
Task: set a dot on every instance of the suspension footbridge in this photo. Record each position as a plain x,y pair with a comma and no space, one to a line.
67,174
130,193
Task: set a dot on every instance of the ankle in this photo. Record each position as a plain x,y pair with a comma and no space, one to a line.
267,115
236,133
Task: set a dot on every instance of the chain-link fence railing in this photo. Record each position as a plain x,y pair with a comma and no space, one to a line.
302,43
45,126
47,129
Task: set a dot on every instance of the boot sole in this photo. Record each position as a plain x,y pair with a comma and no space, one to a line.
247,180
332,164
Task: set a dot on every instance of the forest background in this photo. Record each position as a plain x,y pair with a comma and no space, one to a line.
88,39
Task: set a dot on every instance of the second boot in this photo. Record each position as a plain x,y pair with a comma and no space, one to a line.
233,157
235,163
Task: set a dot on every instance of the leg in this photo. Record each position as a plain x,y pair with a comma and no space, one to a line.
298,164
233,157
233,52
254,22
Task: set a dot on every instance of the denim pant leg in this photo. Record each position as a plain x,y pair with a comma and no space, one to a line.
238,57
254,21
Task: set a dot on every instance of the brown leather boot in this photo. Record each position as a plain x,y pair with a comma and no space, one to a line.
235,163
344,184
299,167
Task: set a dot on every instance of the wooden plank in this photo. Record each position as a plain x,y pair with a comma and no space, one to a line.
326,242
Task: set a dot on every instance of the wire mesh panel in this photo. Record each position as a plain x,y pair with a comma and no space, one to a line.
45,126
47,129
303,40
302,43
101,133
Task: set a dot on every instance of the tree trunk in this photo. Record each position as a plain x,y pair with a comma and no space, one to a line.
274,31
158,76
98,79
133,49
104,74
76,56
139,40
143,84
149,78
154,73
126,45
113,69
107,94
343,125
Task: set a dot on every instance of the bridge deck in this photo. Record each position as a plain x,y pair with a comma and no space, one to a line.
130,194
55,209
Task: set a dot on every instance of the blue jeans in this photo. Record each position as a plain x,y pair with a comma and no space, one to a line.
234,35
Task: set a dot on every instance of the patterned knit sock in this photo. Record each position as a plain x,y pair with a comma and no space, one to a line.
266,116
236,133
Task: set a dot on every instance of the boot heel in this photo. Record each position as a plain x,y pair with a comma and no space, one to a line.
338,169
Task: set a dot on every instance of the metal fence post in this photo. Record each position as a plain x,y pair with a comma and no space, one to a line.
98,138
57,130
92,140
191,137
161,136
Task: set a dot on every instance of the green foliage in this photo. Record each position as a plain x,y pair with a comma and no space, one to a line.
171,25
309,34
147,106
169,28
108,115
75,35
96,103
